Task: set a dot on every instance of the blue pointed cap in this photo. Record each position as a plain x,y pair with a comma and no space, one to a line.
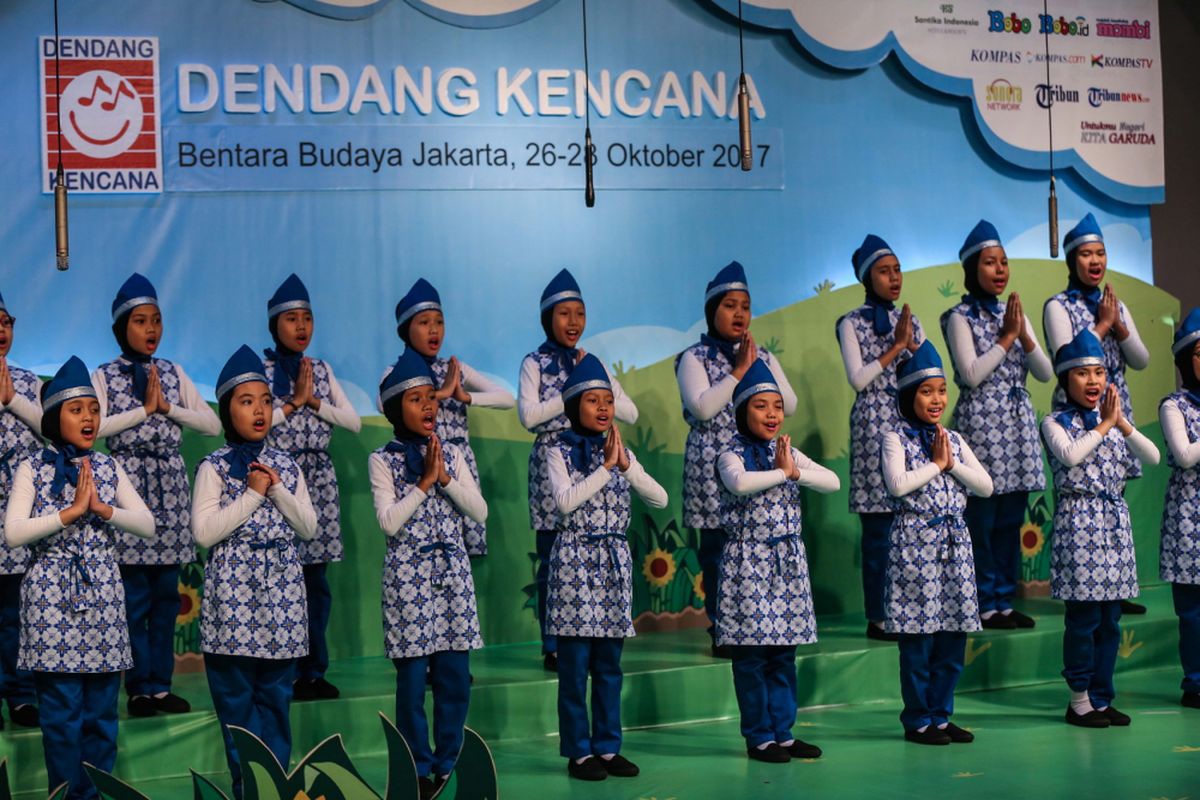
135,291
1188,332
560,289
290,295
981,237
1084,350
242,367
924,364
589,373
758,379
72,380
1088,230
731,278
871,250
421,297
409,372
3,307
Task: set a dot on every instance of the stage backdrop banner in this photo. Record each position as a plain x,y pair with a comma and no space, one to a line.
218,145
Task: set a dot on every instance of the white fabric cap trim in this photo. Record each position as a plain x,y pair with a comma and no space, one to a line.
67,394
133,303
279,308
919,376
425,305
244,377
757,388
967,252
1084,361
403,386
871,259
569,294
1184,342
721,288
583,386
1084,239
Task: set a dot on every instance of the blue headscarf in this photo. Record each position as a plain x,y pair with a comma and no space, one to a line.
756,452
70,382
135,291
409,372
1088,230
589,374
871,250
291,294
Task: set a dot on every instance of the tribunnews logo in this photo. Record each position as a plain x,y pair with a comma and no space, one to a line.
1122,62
1098,97
1001,95
109,114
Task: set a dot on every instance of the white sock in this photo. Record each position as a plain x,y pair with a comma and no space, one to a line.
1006,611
161,695
788,743
608,756
1080,703
922,729
987,614
764,745
943,726
581,760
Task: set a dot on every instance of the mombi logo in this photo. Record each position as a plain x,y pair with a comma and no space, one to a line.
1001,95
999,22
1123,29
1049,95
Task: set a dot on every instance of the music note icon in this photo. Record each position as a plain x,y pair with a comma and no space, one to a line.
100,86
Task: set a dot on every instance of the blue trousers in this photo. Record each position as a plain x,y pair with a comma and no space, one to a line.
1090,642
79,723
764,678
712,542
16,686
255,694
1187,608
151,606
320,600
577,658
545,543
930,664
995,524
876,535
449,671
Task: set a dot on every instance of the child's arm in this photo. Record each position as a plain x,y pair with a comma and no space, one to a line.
391,512
26,410
1133,348
970,473
813,475
652,494
19,527
740,481
1069,452
625,410
785,386
338,410
570,496
484,393
972,367
702,399
900,481
297,509
213,523
1143,449
192,412
1036,359
530,410
1057,324
130,513
1186,453
463,491
860,375
112,425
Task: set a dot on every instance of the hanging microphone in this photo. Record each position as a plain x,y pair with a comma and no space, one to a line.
589,192
60,221
744,125
1053,220
1052,203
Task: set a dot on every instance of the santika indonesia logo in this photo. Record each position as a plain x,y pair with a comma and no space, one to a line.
109,114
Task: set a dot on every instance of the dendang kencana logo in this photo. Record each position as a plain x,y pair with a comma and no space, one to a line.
108,113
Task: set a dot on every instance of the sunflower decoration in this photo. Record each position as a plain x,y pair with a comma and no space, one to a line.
658,567
1032,540
189,605
698,586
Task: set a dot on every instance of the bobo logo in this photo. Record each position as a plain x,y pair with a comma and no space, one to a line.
108,114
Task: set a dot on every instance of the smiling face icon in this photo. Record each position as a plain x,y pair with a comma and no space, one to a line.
101,114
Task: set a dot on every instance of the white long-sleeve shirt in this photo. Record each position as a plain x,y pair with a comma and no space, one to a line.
1072,452
533,411
213,523
393,511
1174,427
974,367
704,400
741,481
130,513
1057,323
485,393
569,496
191,412
26,410
901,481
859,374
336,410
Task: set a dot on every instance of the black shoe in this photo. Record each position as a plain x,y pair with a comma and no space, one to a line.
771,754
931,735
550,662
1092,719
1022,620
998,622
957,735
302,691
1130,607
721,651
171,704
324,690
1190,699
880,635
141,705
25,716
430,787
619,766
799,749
590,770
1116,717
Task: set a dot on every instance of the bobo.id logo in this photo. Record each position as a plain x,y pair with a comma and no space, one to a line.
109,114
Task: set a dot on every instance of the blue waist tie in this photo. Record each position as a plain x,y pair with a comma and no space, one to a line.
607,539
774,543
957,527
282,547
440,565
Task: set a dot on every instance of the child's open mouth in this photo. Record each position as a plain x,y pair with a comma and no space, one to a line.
602,420
427,422
1095,273
88,432
434,344
771,427
151,344
1001,283
302,341
260,424
1092,395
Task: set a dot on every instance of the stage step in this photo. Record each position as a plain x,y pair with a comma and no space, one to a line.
669,678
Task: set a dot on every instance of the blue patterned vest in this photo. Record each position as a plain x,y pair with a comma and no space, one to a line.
543,515
1179,554
17,443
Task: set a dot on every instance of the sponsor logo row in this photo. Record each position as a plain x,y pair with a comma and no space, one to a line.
980,55
1003,95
